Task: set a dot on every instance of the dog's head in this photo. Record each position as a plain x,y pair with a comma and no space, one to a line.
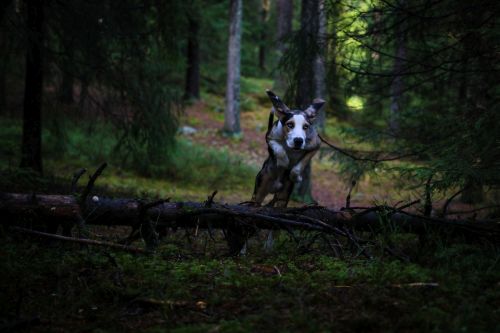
297,124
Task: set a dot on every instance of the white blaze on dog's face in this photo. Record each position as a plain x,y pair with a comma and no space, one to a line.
295,131
295,124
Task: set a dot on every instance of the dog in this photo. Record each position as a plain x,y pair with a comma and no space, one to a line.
292,142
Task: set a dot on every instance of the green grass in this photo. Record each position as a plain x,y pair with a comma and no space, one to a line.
190,171
97,290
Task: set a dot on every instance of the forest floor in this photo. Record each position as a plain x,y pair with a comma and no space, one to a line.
329,189
191,285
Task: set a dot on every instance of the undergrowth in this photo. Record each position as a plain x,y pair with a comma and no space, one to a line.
192,287
68,145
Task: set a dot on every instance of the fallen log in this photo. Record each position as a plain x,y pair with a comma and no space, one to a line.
55,210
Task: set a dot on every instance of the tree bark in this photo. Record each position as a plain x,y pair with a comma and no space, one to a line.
309,83
319,66
309,27
397,86
23,209
232,111
5,56
192,90
284,9
67,82
264,17
31,151
374,101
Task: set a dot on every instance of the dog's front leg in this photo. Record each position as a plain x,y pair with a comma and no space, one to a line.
280,153
296,172
282,162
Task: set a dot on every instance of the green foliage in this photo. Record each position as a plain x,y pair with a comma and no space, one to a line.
447,104
98,289
88,144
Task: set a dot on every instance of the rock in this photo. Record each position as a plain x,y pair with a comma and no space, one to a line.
187,130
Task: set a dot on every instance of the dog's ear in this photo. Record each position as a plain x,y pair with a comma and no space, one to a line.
313,109
280,108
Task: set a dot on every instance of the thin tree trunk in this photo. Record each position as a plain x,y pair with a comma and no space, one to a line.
397,85
232,112
374,101
3,81
473,192
5,49
264,16
31,152
319,66
284,9
335,98
193,61
66,88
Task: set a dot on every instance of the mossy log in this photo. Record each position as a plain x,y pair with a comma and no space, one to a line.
54,210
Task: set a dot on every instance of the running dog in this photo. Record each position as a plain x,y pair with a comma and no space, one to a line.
292,141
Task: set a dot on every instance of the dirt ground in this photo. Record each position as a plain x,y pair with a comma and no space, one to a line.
328,188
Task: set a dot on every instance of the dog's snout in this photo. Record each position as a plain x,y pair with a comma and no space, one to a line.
297,142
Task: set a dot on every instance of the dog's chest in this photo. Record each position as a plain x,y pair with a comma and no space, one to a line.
294,156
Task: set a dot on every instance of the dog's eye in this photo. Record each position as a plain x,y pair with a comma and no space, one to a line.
290,125
305,127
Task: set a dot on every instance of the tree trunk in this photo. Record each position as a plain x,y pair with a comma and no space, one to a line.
31,152
232,112
193,61
309,26
374,104
66,88
5,55
264,17
308,85
397,86
335,98
319,66
284,9
3,74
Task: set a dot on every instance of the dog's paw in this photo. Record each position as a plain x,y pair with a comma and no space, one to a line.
277,186
295,175
282,160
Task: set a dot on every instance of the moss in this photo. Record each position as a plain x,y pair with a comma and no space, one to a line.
312,292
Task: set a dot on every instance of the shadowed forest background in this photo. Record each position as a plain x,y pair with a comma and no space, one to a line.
172,95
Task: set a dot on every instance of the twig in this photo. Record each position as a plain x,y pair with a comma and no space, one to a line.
384,207
399,209
449,200
153,204
81,241
76,178
473,210
159,302
314,221
90,184
416,285
210,199
428,198
367,159
348,198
